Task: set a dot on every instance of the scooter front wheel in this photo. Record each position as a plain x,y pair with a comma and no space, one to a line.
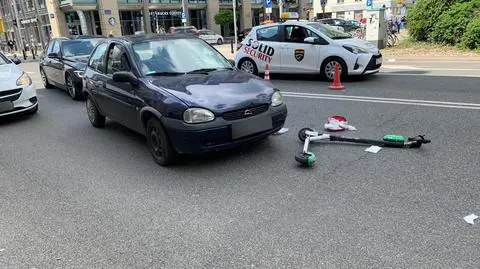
302,134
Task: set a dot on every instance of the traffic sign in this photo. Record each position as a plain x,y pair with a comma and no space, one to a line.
268,4
184,18
369,3
323,3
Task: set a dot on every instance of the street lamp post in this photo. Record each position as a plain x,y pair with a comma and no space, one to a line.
235,21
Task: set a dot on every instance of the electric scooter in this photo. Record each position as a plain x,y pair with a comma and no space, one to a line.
308,135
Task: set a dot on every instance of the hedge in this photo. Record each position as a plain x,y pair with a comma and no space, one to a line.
471,37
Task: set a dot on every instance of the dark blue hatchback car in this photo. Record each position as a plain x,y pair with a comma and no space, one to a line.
179,92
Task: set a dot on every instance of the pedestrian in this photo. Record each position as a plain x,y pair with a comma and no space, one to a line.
11,44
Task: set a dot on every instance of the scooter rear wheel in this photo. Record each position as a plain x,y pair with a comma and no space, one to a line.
306,159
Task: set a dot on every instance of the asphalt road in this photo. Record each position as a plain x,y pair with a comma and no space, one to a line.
73,196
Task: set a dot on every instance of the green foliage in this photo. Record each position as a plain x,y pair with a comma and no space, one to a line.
452,23
423,16
471,37
224,17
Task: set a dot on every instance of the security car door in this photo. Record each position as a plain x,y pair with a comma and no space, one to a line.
264,48
120,99
297,55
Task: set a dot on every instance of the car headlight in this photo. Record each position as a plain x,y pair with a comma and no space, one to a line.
355,49
78,73
277,98
24,80
198,115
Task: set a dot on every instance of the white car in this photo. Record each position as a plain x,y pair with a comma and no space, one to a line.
211,37
17,92
306,48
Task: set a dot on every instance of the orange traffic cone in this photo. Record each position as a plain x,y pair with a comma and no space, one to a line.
336,85
267,73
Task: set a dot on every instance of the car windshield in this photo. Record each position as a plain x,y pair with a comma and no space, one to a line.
177,56
4,60
330,31
73,48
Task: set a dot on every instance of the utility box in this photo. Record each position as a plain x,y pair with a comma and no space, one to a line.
375,26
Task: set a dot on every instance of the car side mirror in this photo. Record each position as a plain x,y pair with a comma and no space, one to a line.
123,76
53,55
15,60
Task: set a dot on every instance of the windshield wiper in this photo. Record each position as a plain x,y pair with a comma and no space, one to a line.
165,73
206,70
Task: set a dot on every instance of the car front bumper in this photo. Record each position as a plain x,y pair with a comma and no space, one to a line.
218,134
367,64
18,100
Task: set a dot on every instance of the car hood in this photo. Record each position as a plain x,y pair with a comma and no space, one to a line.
359,43
77,62
9,73
218,91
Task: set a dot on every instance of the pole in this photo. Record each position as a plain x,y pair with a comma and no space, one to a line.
184,12
19,39
280,7
235,21
39,25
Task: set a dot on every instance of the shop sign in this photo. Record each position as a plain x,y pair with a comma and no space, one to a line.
166,13
28,21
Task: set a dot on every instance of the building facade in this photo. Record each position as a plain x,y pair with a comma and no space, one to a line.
125,17
353,9
26,22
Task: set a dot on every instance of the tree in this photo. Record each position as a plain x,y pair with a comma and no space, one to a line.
224,17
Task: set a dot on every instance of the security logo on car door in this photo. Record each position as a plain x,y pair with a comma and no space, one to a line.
299,54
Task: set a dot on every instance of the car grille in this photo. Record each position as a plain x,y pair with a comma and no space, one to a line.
241,113
372,63
10,95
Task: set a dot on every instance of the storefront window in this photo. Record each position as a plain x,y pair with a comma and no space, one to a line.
198,18
162,20
131,22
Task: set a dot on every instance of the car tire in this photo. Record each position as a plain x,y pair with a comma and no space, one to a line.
248,66
219,41
96,119
46,84
73,89
158,143
327,70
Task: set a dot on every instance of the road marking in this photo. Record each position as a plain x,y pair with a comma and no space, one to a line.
414,102
427,74
403,67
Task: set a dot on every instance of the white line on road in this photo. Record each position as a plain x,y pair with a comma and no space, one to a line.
474,106
408,67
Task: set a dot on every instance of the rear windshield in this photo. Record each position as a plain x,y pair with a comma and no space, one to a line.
74,48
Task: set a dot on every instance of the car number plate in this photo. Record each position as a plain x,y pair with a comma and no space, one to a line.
251,126
6,106
378,61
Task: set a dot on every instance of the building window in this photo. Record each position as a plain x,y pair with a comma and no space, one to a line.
340,1
198,18
162,20
131,22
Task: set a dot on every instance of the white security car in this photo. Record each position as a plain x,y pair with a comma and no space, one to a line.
17,92
210,37
297,47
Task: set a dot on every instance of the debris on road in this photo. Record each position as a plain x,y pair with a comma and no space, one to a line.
373,149
337,124
281,131
470,218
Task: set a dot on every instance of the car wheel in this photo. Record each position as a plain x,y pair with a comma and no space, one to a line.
158,143
248,66
96,119
328,68
72,88
219,41
45,80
